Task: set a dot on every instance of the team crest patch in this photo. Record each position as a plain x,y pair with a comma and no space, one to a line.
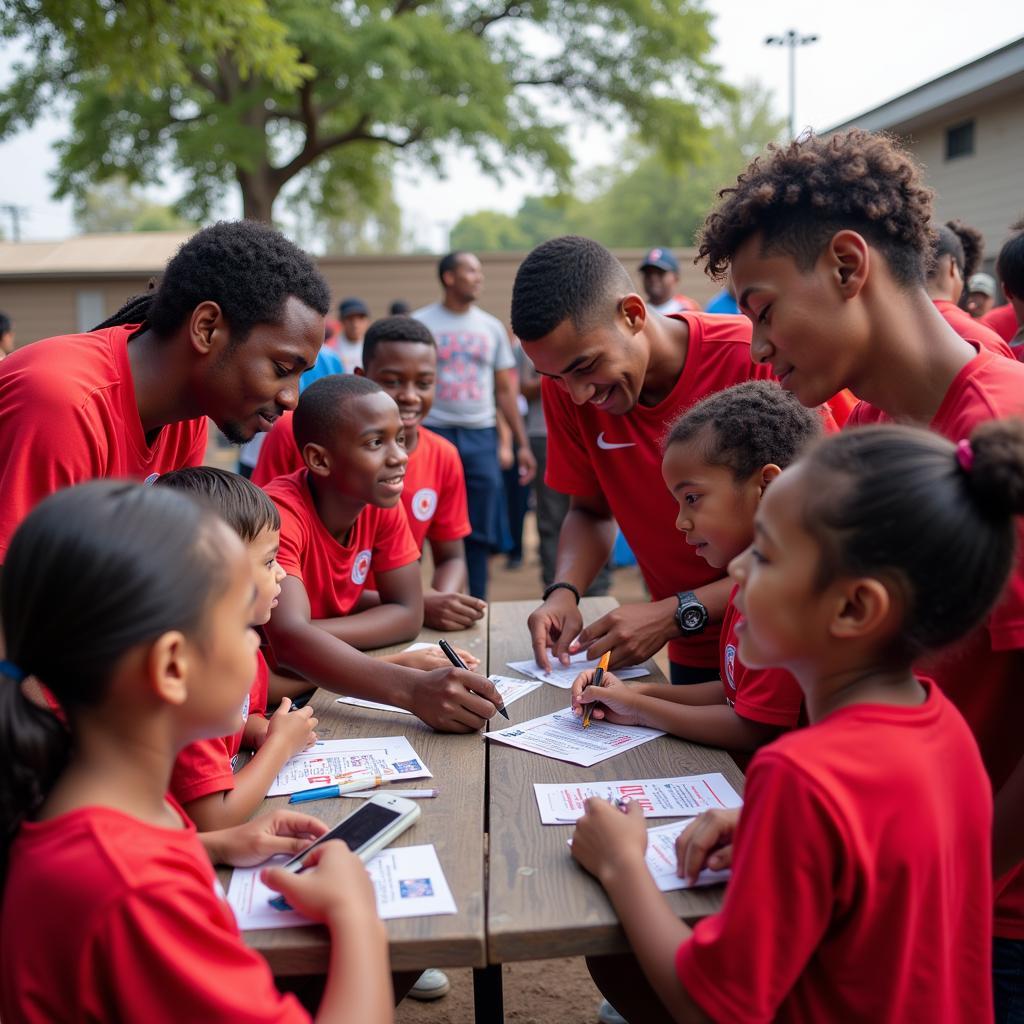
424,504
361,567
730,665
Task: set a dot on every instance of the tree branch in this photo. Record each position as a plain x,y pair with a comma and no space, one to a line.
479,26
313,149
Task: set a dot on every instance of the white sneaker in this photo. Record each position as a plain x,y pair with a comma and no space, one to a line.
431,984
607,1014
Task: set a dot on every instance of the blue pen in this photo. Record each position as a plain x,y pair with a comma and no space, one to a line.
356,785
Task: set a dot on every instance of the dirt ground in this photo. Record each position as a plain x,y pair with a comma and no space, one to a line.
545,991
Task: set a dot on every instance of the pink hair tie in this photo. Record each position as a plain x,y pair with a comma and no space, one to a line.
965,455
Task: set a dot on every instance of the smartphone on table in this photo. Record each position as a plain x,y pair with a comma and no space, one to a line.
368,829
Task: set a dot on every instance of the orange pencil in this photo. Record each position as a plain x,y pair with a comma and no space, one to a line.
602,667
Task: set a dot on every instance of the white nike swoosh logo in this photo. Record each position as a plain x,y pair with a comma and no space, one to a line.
609,445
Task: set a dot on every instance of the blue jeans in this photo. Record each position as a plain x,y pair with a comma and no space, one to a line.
478,450
1008,980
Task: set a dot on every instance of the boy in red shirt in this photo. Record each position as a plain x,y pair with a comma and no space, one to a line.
825,241
614,377
202,781
341,519
861,885
236,318
399,354
720,457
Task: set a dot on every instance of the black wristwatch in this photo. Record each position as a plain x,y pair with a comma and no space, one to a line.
691,615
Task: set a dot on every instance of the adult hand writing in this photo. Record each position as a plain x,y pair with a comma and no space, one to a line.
454,700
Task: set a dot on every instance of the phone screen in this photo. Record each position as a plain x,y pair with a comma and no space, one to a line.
355,830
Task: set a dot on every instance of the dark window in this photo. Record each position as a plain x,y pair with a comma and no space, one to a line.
960,140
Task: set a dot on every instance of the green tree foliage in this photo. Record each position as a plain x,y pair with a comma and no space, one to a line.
253,93
116,206
645,201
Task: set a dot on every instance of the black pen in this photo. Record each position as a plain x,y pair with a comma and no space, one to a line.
449,653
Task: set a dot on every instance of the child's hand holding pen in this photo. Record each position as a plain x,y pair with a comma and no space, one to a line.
613,701
608,838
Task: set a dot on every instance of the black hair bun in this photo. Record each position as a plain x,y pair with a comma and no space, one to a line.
996,475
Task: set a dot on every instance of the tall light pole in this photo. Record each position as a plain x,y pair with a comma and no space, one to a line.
791,39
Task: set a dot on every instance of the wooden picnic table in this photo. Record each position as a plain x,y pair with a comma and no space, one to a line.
541,904
453,822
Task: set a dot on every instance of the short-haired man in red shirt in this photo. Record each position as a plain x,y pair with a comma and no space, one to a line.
236,318
615,375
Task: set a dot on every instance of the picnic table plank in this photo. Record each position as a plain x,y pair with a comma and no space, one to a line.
453,822
541,904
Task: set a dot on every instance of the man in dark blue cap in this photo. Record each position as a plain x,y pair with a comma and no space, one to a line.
660,271
354,315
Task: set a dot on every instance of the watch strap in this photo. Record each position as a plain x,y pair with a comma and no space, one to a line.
562,585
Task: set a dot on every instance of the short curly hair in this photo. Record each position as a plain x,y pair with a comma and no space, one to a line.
568,278
324,405
394,328
796,197
249,269
746,427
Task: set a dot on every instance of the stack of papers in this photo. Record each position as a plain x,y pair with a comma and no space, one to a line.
510,689
565,677
682,797
408,882
328,761
561,735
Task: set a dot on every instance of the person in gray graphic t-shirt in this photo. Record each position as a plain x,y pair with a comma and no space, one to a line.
475,376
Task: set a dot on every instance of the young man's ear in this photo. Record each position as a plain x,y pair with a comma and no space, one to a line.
634,312
316,458
359,371
207,328
849,257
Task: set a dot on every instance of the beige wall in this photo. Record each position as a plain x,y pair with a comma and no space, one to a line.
986,189
44,307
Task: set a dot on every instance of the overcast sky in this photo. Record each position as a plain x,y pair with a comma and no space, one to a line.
866,53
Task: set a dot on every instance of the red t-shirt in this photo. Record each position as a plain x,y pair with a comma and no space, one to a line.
434,495
1003,320
860,879
593,453
106,918
972,330
771,696
334,574
68,414
204,767
841,405
981,675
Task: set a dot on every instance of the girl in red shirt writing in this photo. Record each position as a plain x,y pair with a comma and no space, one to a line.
861,875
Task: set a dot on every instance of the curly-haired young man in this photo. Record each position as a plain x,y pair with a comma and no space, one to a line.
236,318
826,243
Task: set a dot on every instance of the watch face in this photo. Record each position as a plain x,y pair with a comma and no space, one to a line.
693,618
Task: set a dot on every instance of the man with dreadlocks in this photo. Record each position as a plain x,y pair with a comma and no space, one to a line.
236,318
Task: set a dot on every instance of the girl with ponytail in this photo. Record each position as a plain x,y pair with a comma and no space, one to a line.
861,885
133,605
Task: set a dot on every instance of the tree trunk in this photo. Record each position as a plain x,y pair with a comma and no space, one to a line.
259,191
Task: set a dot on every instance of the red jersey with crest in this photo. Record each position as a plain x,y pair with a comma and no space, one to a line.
334,573
982,675
68,414
771,696
594,453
